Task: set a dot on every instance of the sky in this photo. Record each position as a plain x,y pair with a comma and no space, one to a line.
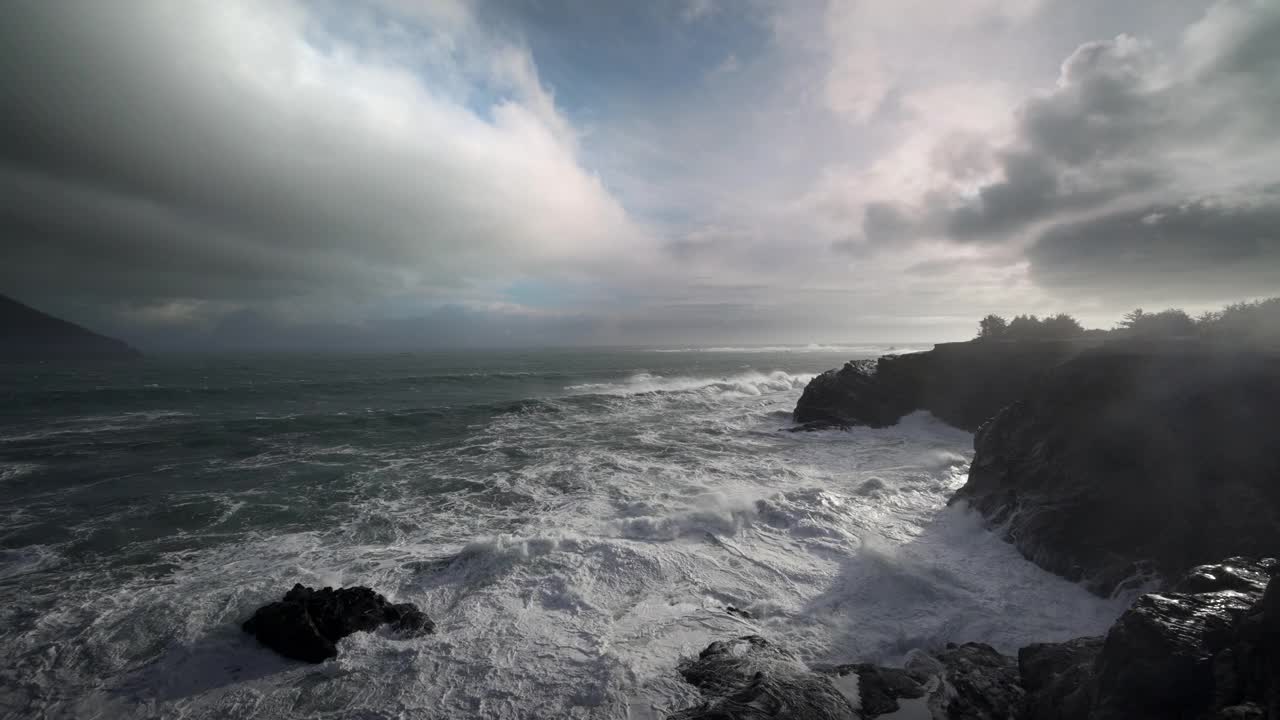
416,174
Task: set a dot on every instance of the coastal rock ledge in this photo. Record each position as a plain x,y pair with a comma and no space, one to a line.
962,384
307,624
1207,650
1132,464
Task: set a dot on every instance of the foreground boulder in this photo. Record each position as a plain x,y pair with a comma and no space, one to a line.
962,384
1136,461
750,678
307,624
1210,648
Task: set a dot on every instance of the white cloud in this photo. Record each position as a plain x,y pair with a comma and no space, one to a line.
880,46
268,138
811,168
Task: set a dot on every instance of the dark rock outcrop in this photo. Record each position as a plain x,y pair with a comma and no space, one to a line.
1057,678
962,682
981,683
750,678
1136,459
1207,649
962,384
28,334
307,624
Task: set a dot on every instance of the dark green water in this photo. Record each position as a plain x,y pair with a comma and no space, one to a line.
575,521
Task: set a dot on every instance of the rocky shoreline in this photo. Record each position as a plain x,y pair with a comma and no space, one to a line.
962,384
1109,464
1208,648
1136,463
1112,464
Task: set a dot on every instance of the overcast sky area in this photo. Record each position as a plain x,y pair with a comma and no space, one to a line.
402,174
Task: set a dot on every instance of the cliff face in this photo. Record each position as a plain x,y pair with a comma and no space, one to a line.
28,334
1136,459
1208,648
963,384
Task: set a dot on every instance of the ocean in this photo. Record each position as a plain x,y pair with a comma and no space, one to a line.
575,522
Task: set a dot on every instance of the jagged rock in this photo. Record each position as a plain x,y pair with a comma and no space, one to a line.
307,624
1207,649
856,394
1058,677
749,678
962,384
1136,459
1157,658
981,683
1200,651
880,688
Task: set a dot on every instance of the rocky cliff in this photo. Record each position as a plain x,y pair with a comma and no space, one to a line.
1207,649
1133,460
1114,465
28,334
963,384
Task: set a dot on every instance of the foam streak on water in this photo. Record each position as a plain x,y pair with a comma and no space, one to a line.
573,532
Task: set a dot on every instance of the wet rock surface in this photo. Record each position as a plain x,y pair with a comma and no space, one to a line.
962,384
1201,650
1136,460
307,624
1207,648
981,683
750,678
1058,677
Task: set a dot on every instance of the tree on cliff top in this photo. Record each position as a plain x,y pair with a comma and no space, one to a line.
1061,325
992,326
1166,323
1244,321
1029,327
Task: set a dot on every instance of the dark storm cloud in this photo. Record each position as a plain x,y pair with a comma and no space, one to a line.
1095,138
122,174
236,151
1126,122
883,224
1210,248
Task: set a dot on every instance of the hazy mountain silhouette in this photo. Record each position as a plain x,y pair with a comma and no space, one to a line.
28,334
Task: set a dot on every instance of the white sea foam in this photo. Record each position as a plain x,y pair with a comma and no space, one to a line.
14,470
858,350
750,384
579,556
96,424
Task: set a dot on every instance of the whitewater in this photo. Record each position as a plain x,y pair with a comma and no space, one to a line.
574,522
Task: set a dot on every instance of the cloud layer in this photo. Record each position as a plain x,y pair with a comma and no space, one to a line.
1143,172
395,171
243,151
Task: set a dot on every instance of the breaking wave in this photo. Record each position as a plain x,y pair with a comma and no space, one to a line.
573,536
752,384
852,350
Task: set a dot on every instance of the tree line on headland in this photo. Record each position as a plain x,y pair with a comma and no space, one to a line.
1244,322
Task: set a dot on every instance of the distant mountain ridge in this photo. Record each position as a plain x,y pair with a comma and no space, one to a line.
28,334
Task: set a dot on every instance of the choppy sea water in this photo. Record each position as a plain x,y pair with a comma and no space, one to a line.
574,522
